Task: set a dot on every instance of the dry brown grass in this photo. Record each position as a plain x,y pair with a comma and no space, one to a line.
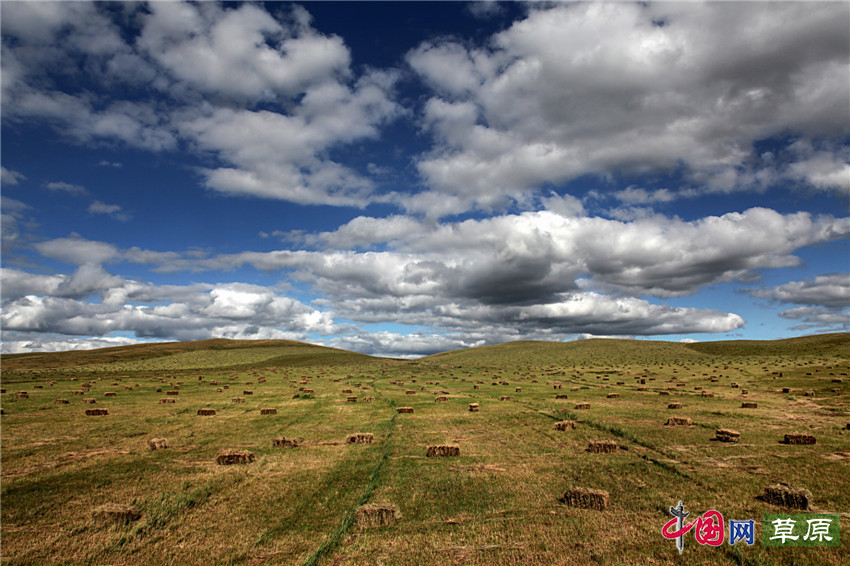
115,513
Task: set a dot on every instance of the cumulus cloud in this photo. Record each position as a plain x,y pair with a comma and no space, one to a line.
46,40
822,168
271,107
93,302
241,53
831,290
199,73
536,274
25,343
284,156
590,88
822,319
532,256
582,315
827,298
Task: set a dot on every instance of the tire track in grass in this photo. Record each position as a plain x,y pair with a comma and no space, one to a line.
332,540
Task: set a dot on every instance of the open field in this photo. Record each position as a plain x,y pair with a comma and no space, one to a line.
497,502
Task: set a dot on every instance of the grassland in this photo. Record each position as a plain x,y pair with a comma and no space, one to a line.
496,503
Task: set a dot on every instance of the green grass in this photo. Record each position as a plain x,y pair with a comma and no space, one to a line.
497,503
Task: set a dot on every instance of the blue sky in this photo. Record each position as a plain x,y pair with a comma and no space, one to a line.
404,178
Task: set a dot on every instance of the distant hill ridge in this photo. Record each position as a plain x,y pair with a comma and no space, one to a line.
260,350
220,352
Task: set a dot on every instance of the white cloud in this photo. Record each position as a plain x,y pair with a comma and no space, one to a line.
823,290
87,279
363,232
534,274
10,220
64,305
636,195
590,88
77,250
10,177
819,318
242,53
413,345
198,72
484,9
25,343
284,156
532,256
17,283
826,299
112,210
823,169
69,188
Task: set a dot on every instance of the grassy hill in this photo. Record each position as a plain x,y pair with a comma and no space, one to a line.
184,356
594,351
837,344
499,501
636,352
